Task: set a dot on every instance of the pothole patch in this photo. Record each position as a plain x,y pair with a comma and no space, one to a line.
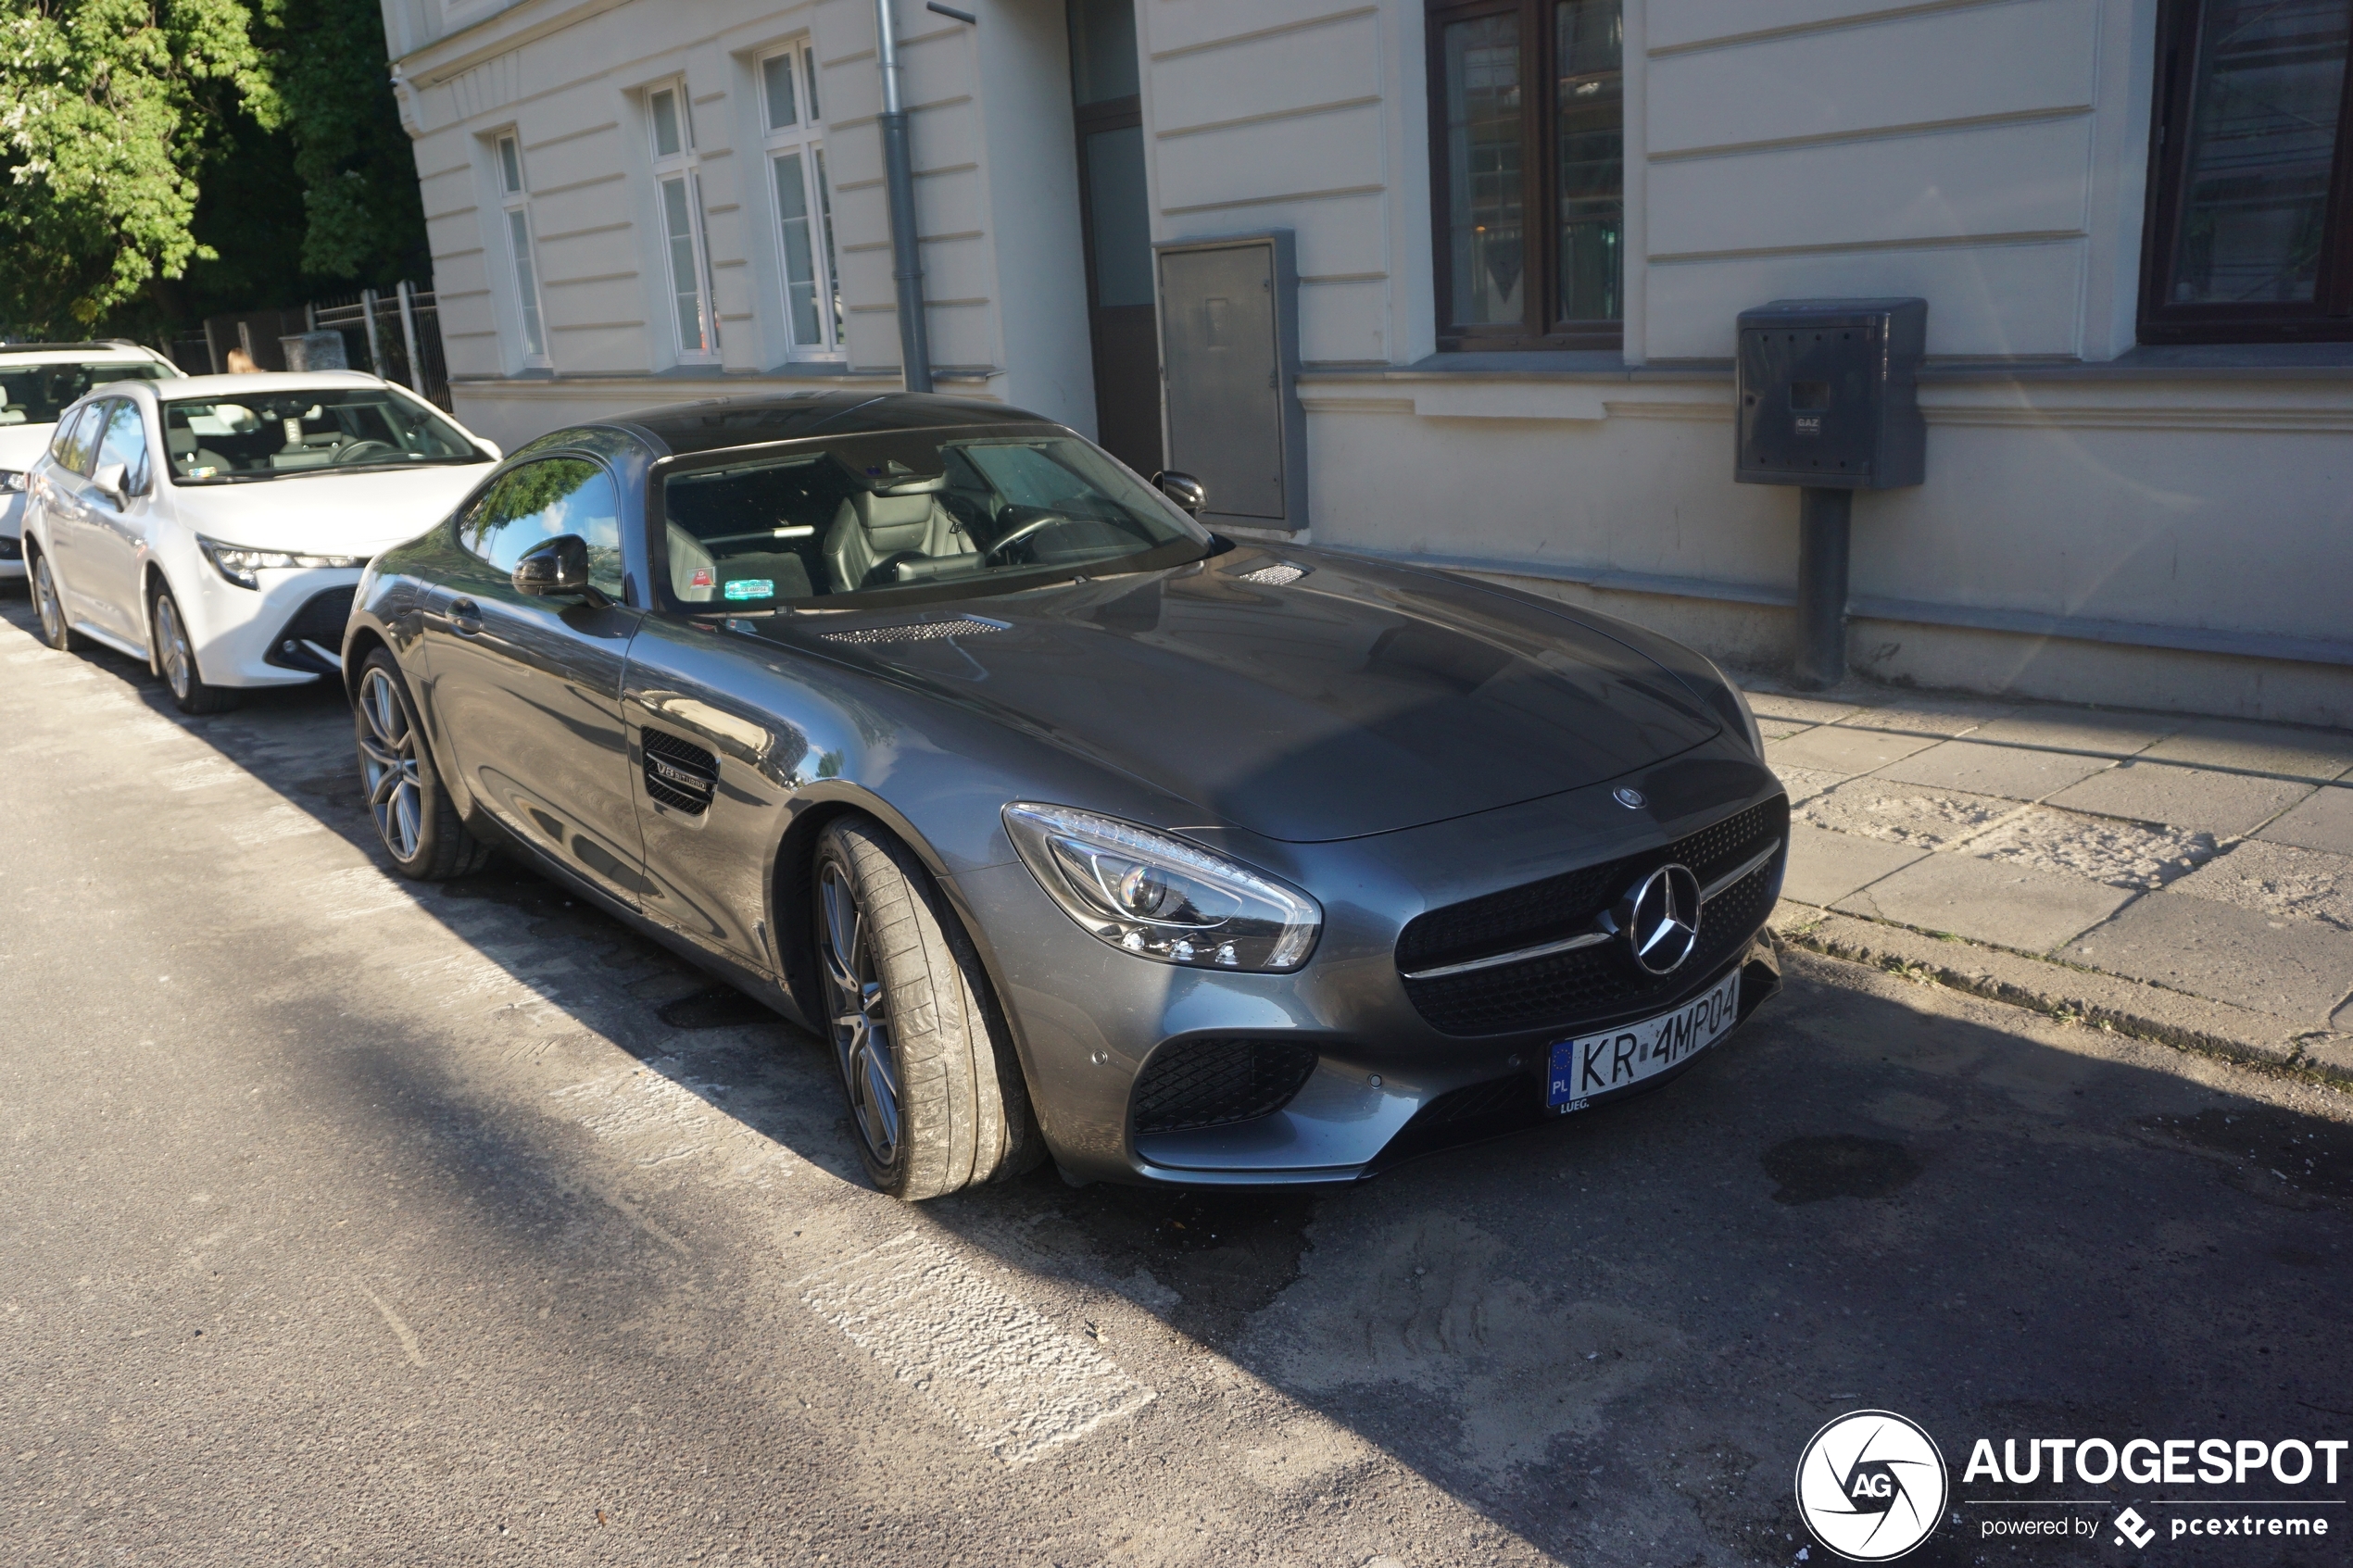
1901,813
2277,878
2100,849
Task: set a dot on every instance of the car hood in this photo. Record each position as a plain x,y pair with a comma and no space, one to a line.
1354,699
356,514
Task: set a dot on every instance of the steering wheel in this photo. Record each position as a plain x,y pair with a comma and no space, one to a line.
1027,529
359,449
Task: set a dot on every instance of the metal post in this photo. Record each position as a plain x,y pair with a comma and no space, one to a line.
408,336
906,254
375,347
1824,533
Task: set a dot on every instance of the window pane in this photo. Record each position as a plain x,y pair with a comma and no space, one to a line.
809,61
777,72
1482,170
1103,50
526,283
2270,75
1122,216
509,165
1589,35
543,501
665,112
801,259
826,214
677,218
125,442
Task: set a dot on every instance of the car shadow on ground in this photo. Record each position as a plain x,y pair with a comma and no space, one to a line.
1610,1337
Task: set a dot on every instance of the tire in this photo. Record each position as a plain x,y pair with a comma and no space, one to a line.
176,657
50,606
413,815
936,1098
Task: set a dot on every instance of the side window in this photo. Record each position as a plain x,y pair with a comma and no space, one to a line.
125,442
78,438
543,500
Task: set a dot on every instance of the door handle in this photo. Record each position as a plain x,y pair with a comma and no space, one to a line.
465,615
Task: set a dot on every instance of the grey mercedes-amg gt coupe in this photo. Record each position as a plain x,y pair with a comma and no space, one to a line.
1076,828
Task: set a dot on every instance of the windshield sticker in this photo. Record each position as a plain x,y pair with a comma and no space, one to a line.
751,588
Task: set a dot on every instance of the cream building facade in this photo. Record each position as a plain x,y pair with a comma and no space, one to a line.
1524,230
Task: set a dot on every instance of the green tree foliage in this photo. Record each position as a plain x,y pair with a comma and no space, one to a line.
359,176
105,111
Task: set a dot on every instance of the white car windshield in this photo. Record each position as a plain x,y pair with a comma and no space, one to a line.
36,394
945,510
273,434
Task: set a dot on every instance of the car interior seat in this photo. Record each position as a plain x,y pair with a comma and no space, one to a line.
871,530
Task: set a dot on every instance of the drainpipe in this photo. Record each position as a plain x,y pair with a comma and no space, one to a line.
907,262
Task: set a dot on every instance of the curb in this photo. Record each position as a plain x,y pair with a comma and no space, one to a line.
2108,1001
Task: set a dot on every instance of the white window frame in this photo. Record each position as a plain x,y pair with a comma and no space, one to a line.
678,170
521,245
815,298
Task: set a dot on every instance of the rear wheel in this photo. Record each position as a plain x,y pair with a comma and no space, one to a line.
412,812
176,656
936,1093
51,609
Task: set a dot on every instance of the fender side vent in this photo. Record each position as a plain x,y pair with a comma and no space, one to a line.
679,774
916,631
1213,1082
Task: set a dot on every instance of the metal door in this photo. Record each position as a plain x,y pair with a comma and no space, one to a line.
113,535
528,688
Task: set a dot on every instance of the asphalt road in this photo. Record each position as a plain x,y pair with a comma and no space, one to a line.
348,1222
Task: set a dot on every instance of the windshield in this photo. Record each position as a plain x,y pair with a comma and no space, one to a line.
36,394
261,435
977,512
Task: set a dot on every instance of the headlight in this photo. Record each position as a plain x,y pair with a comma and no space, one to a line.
239,564
1160,897
12,482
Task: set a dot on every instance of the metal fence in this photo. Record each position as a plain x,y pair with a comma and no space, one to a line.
396,334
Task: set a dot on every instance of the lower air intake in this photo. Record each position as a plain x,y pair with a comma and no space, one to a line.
1213,1082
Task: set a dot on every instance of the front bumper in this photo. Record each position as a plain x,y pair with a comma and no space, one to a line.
241,634
1384,1083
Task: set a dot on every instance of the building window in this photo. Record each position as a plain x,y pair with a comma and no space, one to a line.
2250,231
516,203
794,133
1527,154
678,191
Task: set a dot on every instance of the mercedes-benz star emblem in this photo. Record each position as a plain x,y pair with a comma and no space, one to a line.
1632,800
1660,919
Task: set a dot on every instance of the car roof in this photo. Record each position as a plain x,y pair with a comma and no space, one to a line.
713,424
272,381
79,354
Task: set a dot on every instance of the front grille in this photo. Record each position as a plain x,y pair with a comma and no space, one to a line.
1213,1082
679,774
1565,904
1594,984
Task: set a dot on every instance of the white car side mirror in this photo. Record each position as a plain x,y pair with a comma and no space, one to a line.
109,481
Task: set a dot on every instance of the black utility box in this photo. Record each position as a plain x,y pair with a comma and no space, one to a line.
1828,393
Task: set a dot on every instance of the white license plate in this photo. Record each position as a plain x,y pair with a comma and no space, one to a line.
1595,1064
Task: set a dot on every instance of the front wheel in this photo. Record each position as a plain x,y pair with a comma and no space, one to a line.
413,813
176,656
54,630
936,1094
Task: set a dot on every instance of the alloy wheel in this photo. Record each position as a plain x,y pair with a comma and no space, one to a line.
178,658
44,599
860,1020
388,764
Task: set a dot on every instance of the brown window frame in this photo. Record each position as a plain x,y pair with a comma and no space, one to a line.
2329,318
1540,189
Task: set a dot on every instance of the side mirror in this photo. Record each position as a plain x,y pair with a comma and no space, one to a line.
1183,489
556,566
111,480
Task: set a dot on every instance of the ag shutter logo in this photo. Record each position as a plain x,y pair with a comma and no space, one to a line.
1871,1485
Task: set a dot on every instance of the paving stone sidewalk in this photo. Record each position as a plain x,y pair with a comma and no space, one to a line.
2186,879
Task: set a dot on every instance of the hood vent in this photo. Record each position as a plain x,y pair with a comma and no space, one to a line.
917,630
679,774
1281,574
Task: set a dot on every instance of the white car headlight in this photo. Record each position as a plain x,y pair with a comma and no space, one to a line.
12,482
1157,897
240,565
